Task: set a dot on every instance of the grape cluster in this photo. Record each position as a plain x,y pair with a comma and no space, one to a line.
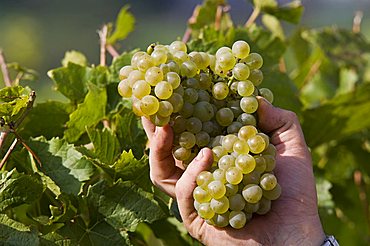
210,101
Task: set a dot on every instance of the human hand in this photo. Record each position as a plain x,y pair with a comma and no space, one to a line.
293,218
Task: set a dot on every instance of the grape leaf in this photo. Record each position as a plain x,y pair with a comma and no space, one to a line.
124,25
205,14
168,233
67,167
12,101
106,145
74,56
124,205
87,114
344,114
290,12
16,233
17,189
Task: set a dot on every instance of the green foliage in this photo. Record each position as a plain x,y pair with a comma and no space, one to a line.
81,176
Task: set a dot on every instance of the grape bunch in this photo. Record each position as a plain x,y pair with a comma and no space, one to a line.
210,101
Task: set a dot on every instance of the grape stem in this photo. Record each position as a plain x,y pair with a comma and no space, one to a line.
4,70
103,44
220,10
356,27
252,18
192,20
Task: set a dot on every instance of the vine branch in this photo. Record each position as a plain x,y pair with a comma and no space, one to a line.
252,18
4,70
192,20
103,44
356,27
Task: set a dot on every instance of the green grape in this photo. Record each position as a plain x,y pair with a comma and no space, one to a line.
234,105
205,211
205,81
216,142
165,68
149,105
179,124
193,125
247,119
135,76
254,61
177,46
197,58
124,89
241,71
265,138
237,219
220,90
179,57
251,178
236,202
251,207
159,120
225,60
245,88
174,79
252,193
206,61
223,49
196,205
181,153
207,126
212,62
247,132
240,49
268,181
173,67
125,71
135,58
256,77
224,116
176,101
136,107
153,75
203,111
219,174
270,150
226,162
190,95
201,195
234,127
256,144
140,89
179,90
218,152
188,69
241,147
221,220
216,189
234,175
163,90
159,57
144,62
191,83
187,140
203,96
249,104
260,164
228,142
220,205
204,178
264,206
270,162
165,109
246,163
187,110
231,189
267,93
202,139
273,194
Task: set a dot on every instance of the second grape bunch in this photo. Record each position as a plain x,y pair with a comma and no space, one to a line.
210,101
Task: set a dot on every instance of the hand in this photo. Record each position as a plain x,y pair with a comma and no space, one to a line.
293,218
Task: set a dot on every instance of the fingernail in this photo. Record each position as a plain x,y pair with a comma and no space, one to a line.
200,155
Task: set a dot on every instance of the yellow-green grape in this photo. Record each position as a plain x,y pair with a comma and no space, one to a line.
236,202
124,89
246,163
178,124
221,220
264,206
226,162
245,88
181,153
265,138
256,77
153,75
267,93
187,140
220,90
125,71
149,105
165,109
270,150
197,58
256,144
159,120
201,195
252,193
220,205
251,178
224,116
174,79
251,207
193,125
135,58
218,152
241,71
159,56
163,90
225,59
219,174
196,205
249,104
268,181
254,61
205,211
247,132
247,119
204,178
134,76
240,49
188,69
202,139
204,81
216,189
176,101
270,162
241,147
187,110
174,67
141,89
177,46
234,175
274,193
203,111
260,164
234,127
136,107
144,62
231,189
179,57
237,219
228,142
205,60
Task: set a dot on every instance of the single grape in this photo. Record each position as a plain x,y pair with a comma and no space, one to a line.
159,57
144,62
177,46
256,144
260,164
188,69
254,61
153,75
246,163
125,71
249,104
228,142
221,220
140,89
176,101
247,119
124,89
180,56
268,181
203,111
274,193
225,60
181,153
231,189
203,96
163,90
187,110
251,178
220,90
234,127
224,116
264,206
240,49
216,189
193,125
190,95
247,132
241,147
256,77
236,202
219,174
187,140
204,81
252,193
202,139
237,219
250,208
204,178
226,162
220,205
267,93
149,105
205,211
218,152
178,124
158,120
245,88
241,71
174,79
234,175
165,109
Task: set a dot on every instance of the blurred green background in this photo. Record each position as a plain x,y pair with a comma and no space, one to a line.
36,33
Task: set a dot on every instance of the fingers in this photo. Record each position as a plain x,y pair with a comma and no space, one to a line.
187,183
